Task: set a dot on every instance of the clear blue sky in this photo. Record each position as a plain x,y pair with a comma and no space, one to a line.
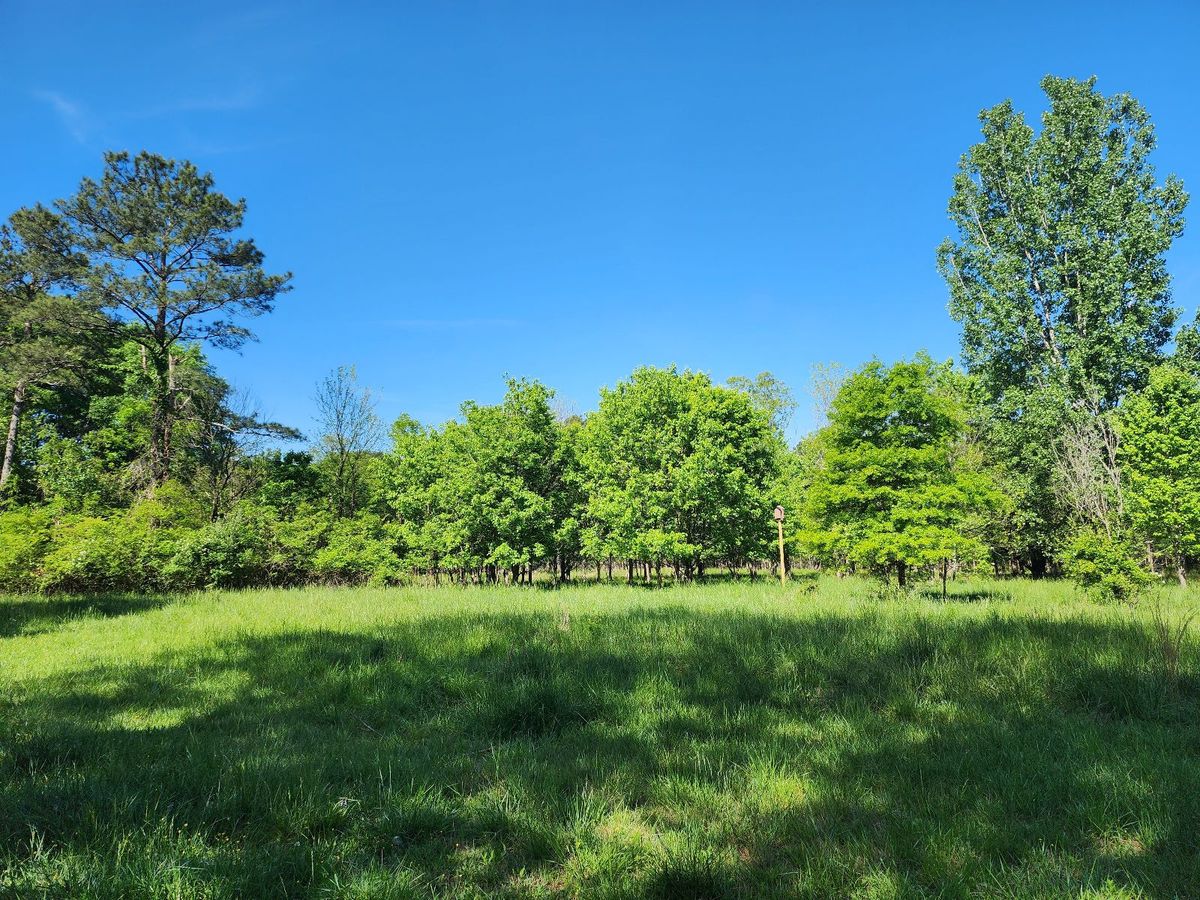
568,190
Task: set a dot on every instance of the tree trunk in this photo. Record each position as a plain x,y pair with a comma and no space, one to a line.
901,574
160,419
1181,570
629,580
1037,563
945,572
10,443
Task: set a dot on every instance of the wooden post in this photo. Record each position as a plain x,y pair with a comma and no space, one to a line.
779,522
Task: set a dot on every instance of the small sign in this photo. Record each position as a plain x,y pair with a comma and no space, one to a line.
779,514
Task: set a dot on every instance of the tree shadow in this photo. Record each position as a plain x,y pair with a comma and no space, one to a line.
30,614
754,755
972,595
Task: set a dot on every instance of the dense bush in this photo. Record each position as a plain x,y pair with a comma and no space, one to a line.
1104,566
231,552
295,543
121,553
358,550
25,538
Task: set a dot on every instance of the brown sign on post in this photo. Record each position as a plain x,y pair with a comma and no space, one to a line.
779,514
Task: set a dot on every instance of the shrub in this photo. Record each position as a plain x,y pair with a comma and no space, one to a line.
295,544
90,554
231,552
358,550
1104,566
24,541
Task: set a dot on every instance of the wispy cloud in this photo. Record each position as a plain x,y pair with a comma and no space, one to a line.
77,121
84,125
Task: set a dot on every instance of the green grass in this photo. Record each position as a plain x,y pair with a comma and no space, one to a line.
729,740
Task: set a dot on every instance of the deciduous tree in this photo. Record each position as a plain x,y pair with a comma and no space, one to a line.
1160,456
894,493
677,471
350,429
1057,275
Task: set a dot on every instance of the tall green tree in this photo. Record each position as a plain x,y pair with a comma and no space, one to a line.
1057,275
895,491
1160,455
677,471
494,493
46,335
164,256
511,477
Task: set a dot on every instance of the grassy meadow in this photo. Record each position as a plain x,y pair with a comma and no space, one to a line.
720,740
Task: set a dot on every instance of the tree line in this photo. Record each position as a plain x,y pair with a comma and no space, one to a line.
1067,442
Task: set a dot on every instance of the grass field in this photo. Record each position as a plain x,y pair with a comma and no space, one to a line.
727,740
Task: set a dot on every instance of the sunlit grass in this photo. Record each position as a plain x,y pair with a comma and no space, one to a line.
729,739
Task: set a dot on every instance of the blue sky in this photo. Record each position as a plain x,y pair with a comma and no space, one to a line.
568,190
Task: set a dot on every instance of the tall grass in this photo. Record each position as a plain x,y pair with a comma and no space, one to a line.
726,740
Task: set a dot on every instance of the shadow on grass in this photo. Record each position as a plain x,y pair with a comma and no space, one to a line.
650,753
965,596
32,614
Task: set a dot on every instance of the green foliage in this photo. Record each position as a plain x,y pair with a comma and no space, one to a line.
350,431
896,491
232,552
677,469
769,395
1058,273
1160,453
1019,439
72,478
283,480
162,254
142,468
358,551
121,553
492,493
47,338
1058,277
25,538
1187,347
297,538
1104,566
